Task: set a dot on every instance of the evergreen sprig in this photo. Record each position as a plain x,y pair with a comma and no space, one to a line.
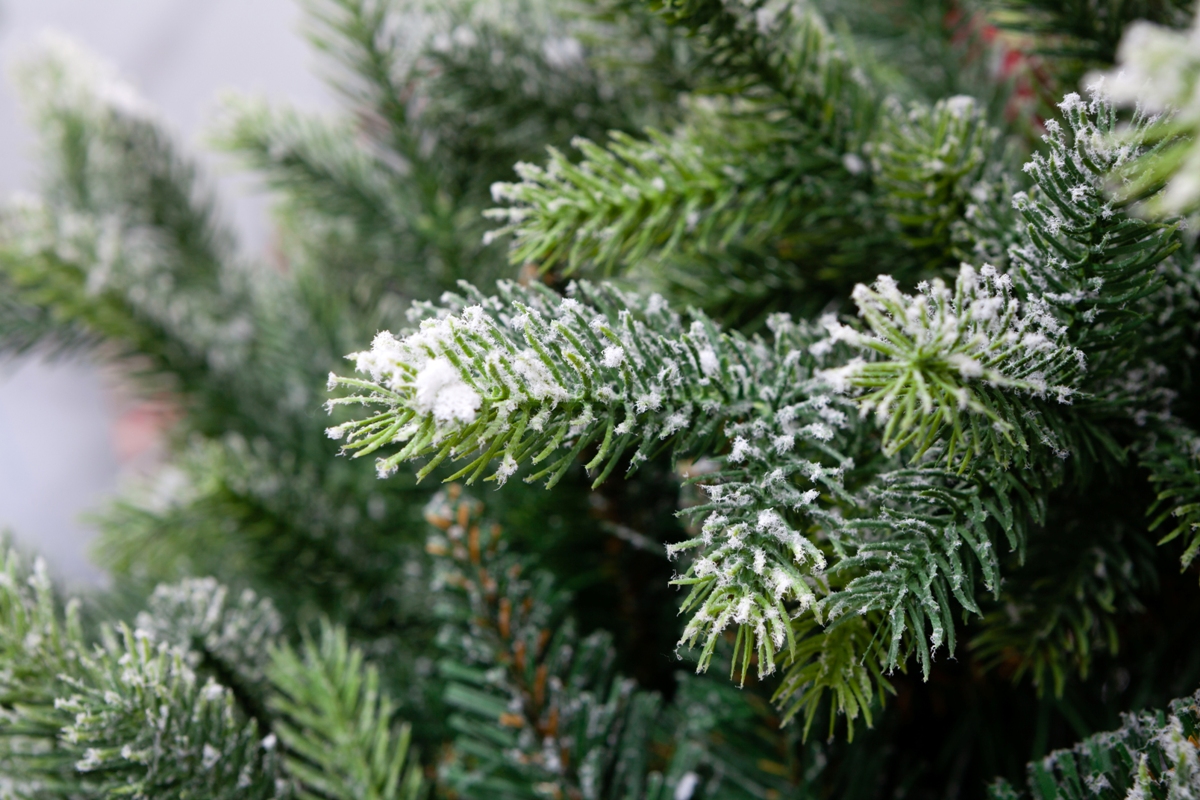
1153,754
725,177
129,715
336,724
141,722
540,709
941,353
762,171
528,373
1085,259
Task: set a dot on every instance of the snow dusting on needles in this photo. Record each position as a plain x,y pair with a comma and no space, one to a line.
441,391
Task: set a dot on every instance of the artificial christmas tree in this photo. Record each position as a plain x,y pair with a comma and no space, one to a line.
740,310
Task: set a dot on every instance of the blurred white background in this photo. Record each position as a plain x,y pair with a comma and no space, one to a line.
70,432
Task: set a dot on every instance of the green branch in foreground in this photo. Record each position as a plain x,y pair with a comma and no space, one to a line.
1153,754
336,724
532,377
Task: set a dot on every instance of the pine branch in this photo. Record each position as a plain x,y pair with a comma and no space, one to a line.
740,172
540,709
1086,260
107,154
129,716
225,638
528,373
134,715
554,718
839,662
929,162
783,53
335,724
1153,754
938,354
36,646
536,75
319,541
723,178
126,247
195,744
323,169
376,47
25,328
1173,460
788,435
743,181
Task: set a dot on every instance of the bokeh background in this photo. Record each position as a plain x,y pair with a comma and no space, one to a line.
71,432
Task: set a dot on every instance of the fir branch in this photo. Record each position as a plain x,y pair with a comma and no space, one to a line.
723,178
321,167
1086,260
941,353
37,645
928,164
536,75
225,637
108,154
554,718
335,724
127,248
144,724
25,327
783,52
837,661
377,47
521,376
1152,754
540,709
129,716
1173,460
789,438
743,172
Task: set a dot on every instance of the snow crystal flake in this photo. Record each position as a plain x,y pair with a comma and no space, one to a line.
440,390
651,401
506,470
613,356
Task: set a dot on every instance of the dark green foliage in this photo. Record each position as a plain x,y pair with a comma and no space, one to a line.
201,700
129,715
954,450
1174,464
143,724
1061,611
539,708
1153,754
